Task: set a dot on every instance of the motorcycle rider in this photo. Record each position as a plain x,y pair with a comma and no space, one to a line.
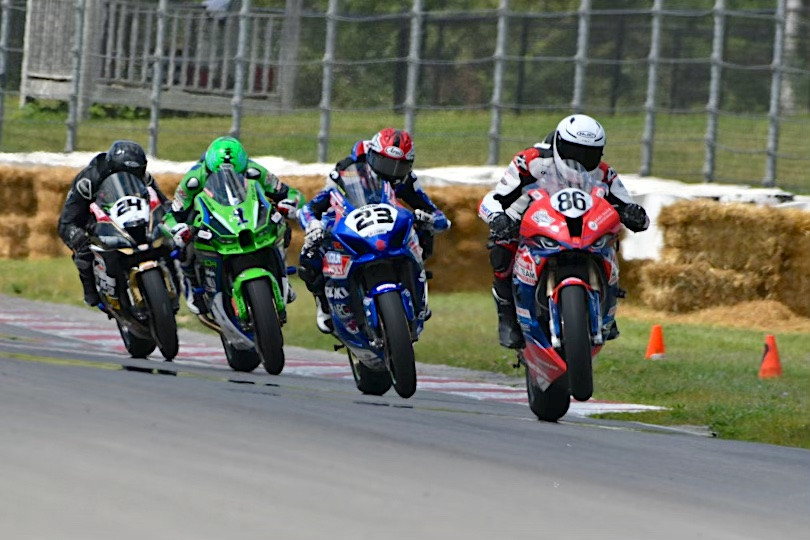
388,156
577,137
222,150
123,156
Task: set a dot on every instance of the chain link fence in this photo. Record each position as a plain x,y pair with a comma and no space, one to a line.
699,90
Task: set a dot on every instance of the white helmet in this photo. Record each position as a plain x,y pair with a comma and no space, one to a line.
579,138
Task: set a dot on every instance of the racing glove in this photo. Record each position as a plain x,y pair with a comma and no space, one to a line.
503,227
424,219
77,239
181,234
313,234
634,217
287,208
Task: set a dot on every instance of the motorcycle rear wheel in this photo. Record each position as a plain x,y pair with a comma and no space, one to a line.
162,322
136,346
549,405
266,327
245,360
399,355
368,381
576,341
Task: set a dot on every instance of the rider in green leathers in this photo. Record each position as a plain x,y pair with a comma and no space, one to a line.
221,151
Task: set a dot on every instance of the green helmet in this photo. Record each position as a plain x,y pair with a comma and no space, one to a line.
226,150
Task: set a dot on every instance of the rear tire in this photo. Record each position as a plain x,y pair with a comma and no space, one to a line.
368,381
162,322
552,404
266,328
245,360
399,355
136,346
576,341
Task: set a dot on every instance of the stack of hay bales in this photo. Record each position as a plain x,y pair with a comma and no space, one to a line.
19,204
723,254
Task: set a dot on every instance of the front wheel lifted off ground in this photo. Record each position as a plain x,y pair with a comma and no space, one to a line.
399,355
266,327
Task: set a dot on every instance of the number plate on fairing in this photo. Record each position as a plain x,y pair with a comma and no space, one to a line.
372,219
571,202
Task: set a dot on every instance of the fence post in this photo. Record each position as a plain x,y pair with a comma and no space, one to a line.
4,26
497,84
414,53
581,58
290,44
712,107
648,138
776,92
326,89
75,87
157,77
239,76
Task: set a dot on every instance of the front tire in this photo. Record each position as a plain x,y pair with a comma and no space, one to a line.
162,322
137,347
399,355
576,341
266,328
368,381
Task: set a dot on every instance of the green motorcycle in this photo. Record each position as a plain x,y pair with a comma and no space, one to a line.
238,235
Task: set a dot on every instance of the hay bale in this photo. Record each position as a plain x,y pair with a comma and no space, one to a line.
42,245
14,231
687,287
739,237
792,287
17,187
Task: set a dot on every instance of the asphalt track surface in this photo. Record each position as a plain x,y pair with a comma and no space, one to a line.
99,445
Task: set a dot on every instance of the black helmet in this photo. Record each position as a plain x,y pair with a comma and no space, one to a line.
127,156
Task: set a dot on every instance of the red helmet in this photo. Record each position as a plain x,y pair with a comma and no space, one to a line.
390,154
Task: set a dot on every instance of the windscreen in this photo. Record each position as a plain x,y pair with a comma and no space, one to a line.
360,188
120,185
226,187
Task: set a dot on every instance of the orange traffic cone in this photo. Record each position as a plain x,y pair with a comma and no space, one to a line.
770,366
655,348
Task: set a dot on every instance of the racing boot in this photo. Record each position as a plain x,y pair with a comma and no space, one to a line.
509,332
323,316
84,263
195,301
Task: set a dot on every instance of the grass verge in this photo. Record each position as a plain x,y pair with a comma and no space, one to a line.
709,377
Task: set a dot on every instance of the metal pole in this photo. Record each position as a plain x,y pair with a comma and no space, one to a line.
497,84
581,58
73,102
776,92
326,89
413,65
157,77
648,137
6,14
241,60
712,107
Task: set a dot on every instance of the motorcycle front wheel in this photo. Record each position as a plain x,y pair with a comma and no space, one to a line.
576,341
552,404
240,360
137,347
161,314
399,355
266,328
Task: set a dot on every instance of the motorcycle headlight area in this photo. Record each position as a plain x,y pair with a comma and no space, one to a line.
545,242
602,241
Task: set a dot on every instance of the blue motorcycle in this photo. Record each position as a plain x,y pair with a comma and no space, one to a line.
376,283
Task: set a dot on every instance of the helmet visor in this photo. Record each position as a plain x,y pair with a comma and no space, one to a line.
588,156
389,168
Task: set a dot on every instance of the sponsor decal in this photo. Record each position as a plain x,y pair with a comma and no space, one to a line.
536,195
336,293
394,152
205,235
177,205
542,218
343,310
592,225
336,265
588,134
523,313
524,268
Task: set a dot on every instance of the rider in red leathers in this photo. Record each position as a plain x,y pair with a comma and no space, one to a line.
577,137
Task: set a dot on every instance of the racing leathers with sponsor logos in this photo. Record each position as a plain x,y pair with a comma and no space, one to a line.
376,160
223,150
502,209
123,156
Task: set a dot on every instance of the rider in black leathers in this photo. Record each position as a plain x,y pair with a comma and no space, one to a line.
123,156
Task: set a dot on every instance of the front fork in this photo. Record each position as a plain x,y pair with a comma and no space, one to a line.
134,287
594,310
238,295
370,309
